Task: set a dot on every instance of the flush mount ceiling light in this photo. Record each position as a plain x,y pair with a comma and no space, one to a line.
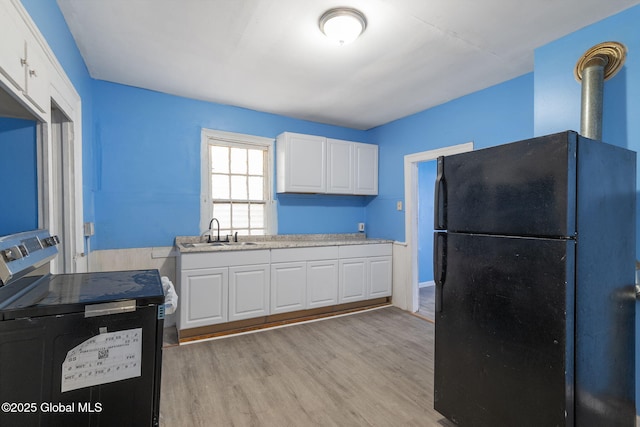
342,25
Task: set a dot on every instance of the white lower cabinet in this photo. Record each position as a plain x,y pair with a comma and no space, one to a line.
237,285
353,280
365,272
288,286
203,299
303,285
380,277
248,291
222,287
322,283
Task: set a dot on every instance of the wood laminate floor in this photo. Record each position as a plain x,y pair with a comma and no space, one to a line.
427,302
372,368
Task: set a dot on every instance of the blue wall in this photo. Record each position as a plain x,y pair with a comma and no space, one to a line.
19,188
147,147
51,23
493,116
426,178
557,96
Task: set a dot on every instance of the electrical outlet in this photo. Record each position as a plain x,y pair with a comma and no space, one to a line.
399,205
361,226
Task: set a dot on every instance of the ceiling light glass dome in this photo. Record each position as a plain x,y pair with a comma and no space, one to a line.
342,25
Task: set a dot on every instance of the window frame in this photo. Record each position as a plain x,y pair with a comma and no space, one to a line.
231,139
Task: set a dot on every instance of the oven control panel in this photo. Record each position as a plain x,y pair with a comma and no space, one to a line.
24,252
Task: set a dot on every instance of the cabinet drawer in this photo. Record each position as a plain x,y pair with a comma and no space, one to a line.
223,259
369,250
304,254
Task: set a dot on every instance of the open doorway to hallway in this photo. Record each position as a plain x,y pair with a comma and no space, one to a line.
62,209
427,171
407,260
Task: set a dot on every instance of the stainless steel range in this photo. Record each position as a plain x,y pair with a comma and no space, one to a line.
79,349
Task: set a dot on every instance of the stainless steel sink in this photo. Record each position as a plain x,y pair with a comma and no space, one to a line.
202,245
240,243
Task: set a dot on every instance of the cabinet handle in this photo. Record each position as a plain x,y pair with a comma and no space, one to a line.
23,61
33,73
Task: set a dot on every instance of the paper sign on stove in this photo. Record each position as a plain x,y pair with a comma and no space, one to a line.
102,359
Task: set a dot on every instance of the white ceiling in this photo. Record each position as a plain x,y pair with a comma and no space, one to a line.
269,55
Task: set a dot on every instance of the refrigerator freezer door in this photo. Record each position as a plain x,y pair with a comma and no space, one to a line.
504,344
526,188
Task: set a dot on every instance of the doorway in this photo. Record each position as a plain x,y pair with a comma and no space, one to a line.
427,171
62,214
410,256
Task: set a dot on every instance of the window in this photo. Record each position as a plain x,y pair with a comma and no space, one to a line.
236,183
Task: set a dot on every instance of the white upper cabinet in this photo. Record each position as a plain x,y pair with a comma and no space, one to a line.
37,80
315,164
366,168
340,176
12,49
301,163
22,62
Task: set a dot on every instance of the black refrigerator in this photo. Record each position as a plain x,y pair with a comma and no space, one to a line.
535,296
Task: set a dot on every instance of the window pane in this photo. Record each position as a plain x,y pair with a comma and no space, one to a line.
240,216
239,187
219,159
219,186
256,162
256,188
257,216
238,175
222,211
238,160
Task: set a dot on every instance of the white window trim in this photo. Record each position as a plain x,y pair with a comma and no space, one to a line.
215,137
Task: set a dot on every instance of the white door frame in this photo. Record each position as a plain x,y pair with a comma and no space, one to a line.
68,101
411,214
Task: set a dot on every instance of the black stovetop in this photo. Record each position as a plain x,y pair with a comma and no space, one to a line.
55,294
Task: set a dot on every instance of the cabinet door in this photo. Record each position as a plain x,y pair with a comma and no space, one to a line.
353,280
248,291
37,84
12,47
322,283
288,286
379,277
302,159
340,167
203,297
366,169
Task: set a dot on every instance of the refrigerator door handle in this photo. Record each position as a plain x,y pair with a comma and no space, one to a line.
439,266
440,198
